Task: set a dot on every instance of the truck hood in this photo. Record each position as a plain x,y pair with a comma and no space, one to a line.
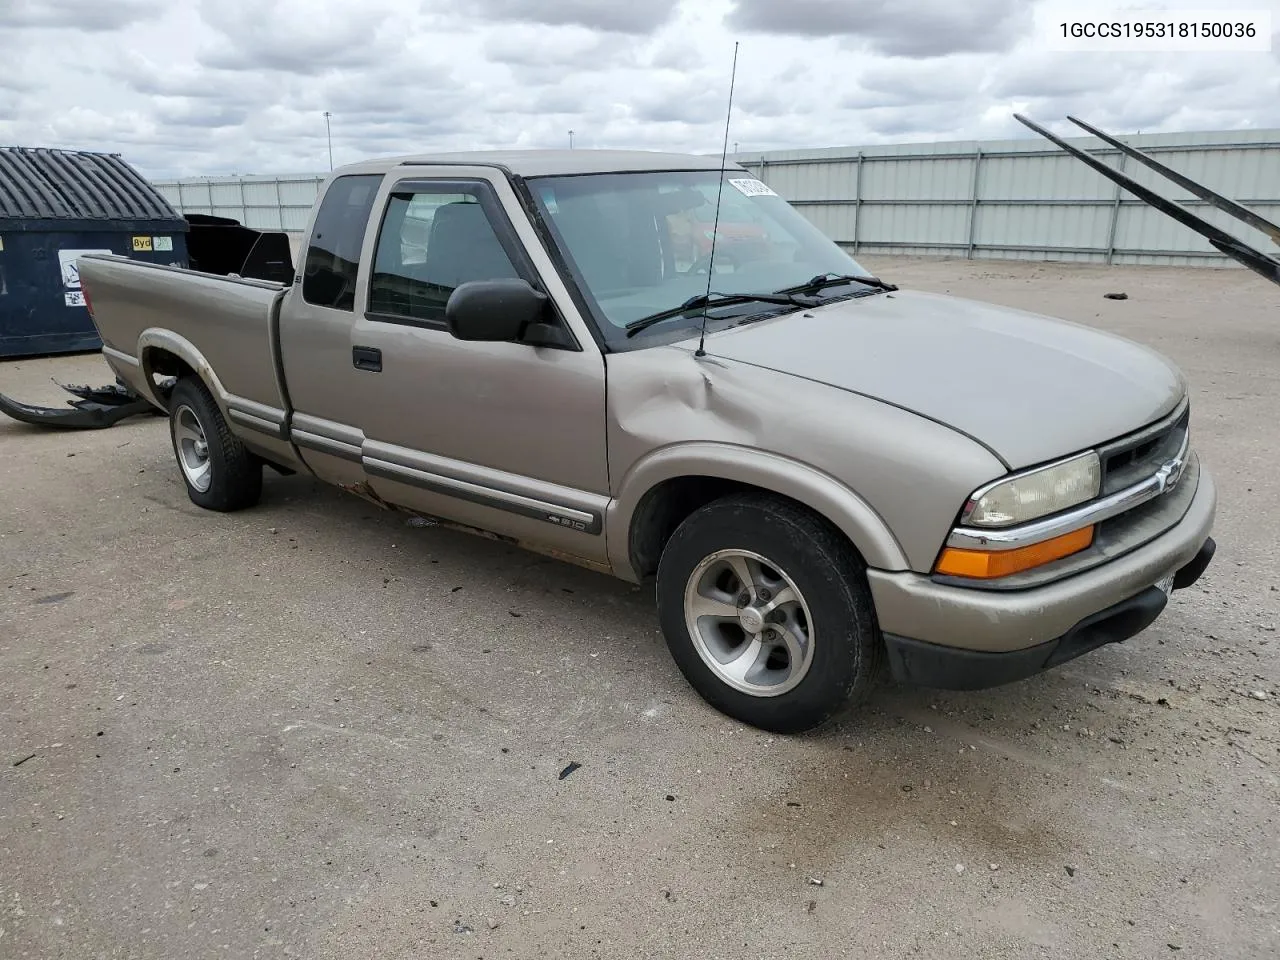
1028,387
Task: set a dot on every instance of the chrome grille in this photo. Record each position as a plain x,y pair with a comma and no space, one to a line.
1132,459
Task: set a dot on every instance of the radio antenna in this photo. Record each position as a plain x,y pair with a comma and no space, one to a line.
715,228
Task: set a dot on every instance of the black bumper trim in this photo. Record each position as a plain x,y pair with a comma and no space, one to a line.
1189,574
953,668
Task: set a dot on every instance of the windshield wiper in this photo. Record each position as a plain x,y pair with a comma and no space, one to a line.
824,280
704,301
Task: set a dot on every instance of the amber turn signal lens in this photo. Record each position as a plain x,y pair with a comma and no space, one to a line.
989,564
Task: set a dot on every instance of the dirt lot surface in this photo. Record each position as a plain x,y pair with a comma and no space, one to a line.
312,730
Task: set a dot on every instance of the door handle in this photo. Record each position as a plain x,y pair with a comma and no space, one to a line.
367,358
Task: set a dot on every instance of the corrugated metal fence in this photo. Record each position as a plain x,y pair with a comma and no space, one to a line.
1026,199
264,203
1019,199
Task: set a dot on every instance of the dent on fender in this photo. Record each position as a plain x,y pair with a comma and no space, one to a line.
686,398
673,414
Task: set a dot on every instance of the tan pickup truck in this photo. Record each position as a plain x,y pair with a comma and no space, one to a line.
837,473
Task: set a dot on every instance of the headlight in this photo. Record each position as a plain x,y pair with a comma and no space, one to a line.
1035,494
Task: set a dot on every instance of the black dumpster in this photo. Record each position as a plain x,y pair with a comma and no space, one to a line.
55,206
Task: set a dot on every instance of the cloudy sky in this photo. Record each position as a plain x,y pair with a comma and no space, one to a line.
184,87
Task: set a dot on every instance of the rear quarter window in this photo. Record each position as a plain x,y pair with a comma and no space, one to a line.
333,252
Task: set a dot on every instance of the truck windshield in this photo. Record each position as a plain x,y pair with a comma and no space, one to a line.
640,244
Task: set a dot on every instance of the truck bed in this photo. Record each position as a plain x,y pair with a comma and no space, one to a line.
228,321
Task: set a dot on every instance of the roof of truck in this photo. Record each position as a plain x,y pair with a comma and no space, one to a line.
548,163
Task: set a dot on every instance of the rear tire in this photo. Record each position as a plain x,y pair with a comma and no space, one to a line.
766,610
219,472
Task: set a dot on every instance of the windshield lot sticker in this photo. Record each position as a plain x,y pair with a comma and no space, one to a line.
752,188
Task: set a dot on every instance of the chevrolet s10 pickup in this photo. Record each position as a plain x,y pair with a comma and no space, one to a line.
819,473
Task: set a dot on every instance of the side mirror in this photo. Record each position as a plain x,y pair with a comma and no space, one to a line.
493,310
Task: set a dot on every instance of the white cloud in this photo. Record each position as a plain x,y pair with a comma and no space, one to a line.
905,28
82,15
614,16
220,86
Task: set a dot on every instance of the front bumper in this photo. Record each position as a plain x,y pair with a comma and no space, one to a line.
963,638
954,668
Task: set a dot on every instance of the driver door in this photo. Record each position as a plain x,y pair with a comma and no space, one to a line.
505,437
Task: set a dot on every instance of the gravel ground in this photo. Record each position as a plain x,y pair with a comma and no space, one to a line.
312,730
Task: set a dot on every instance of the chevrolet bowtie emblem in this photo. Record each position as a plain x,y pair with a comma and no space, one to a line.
1170,473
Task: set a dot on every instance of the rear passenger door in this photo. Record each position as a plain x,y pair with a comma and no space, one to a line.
507,437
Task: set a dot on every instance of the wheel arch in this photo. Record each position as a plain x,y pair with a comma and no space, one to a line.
166,353
665,487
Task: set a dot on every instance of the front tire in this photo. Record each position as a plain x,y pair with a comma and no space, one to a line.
766,610
219,472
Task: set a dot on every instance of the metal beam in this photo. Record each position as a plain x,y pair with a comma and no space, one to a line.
1225,204
1233,247
1032,248
1011,202
1115,216
857,202
973,202
993,154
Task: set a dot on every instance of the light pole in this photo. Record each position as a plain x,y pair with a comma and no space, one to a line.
328,136
570,139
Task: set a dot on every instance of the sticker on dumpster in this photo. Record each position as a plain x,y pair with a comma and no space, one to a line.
751,187
74,299
161,243
141,244
71,272
1,244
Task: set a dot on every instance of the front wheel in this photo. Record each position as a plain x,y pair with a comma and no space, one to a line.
766,610
219,472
